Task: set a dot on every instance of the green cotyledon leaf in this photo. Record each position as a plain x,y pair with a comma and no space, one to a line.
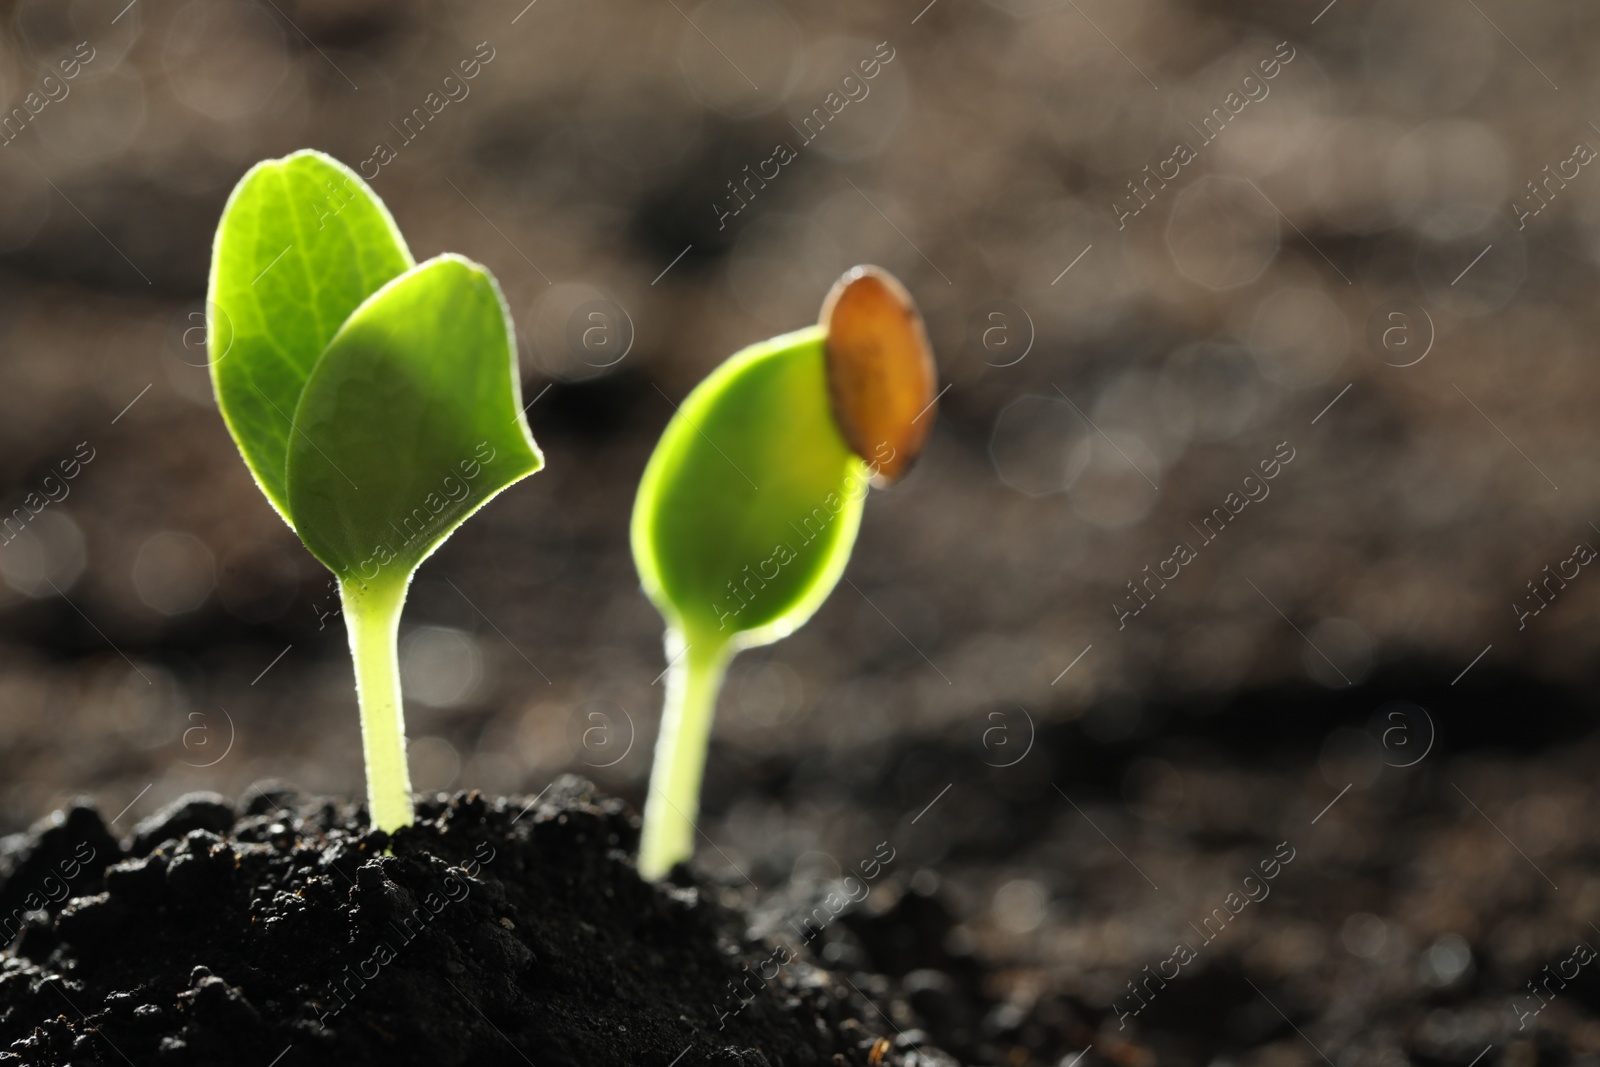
301,244
750,504
410,422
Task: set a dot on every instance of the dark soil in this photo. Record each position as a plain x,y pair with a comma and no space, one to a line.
1424,882
1432,906
281,933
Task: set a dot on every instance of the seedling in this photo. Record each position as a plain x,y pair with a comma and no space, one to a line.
375,401
750,504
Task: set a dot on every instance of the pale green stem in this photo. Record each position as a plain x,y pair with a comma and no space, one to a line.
693,682
372,616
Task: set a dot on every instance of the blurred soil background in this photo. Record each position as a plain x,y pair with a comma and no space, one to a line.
1358,231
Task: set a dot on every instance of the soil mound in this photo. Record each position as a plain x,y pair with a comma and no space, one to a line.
286,932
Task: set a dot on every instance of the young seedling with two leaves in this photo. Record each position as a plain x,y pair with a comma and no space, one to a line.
750,504
375,400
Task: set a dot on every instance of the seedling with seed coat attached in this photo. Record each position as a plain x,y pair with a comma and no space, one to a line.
750,504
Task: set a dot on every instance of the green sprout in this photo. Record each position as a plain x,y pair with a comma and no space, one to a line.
375,401
749,507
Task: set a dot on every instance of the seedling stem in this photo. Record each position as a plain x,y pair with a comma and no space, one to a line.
372,616
693,682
